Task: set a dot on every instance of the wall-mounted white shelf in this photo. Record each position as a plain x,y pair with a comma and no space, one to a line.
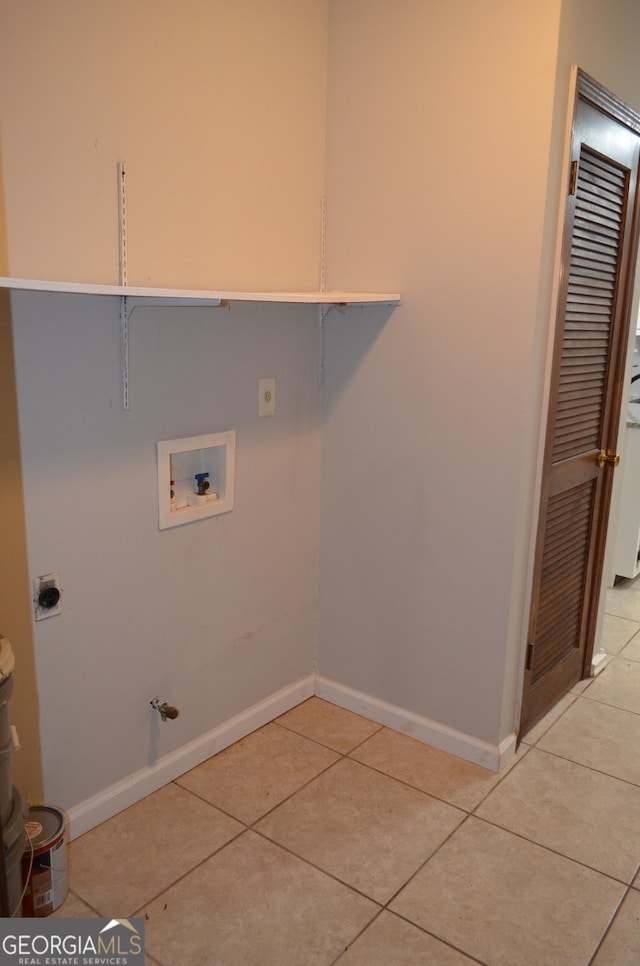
139,295
132,296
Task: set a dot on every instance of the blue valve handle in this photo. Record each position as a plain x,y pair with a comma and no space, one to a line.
203,486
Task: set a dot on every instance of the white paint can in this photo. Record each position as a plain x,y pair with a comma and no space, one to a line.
45,870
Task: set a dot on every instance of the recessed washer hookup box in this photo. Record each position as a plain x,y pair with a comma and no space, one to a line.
196,478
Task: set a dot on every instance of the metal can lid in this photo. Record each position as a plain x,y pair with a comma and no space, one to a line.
7,659
44,825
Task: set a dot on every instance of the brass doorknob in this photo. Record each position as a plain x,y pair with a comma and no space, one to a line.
607,457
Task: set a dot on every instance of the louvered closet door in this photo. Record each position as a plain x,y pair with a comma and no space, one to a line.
585,402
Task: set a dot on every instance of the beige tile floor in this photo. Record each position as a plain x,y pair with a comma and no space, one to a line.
324,838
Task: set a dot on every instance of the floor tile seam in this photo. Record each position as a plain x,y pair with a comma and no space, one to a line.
618,657
309,781
217,808
558,717
253,822
318,868
501,779
609,926
357,937
140,909
379,728
414,925
599,771
422,865
407,784
582,764
552,851
624,617
322,744
607,704
589,682
300,734
630,620
532,744
465,816
627,657
434,935
76,895
383,905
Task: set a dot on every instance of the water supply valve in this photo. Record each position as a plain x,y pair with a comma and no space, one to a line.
165,710
203,483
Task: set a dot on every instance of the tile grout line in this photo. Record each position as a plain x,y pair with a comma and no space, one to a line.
469,956
347,756
548,848
426,861
250,826
608,704
609,925
139,910
412,877
581,764
500,777
356,938
467,814
472,813
317,741
557,718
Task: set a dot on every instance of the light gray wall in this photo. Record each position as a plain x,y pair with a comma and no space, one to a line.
438,145
218,111
447,127
212,616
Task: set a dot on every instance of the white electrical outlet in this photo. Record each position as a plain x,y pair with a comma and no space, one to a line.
47,596
266,397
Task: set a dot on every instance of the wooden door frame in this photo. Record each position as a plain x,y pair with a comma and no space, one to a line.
585,89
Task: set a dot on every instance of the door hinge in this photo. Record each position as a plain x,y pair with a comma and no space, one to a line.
573,177
529,656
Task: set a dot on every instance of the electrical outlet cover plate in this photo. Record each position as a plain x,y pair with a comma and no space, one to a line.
266,397
42,584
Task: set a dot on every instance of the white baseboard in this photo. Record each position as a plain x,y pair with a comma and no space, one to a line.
599,662
424,729
135,787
